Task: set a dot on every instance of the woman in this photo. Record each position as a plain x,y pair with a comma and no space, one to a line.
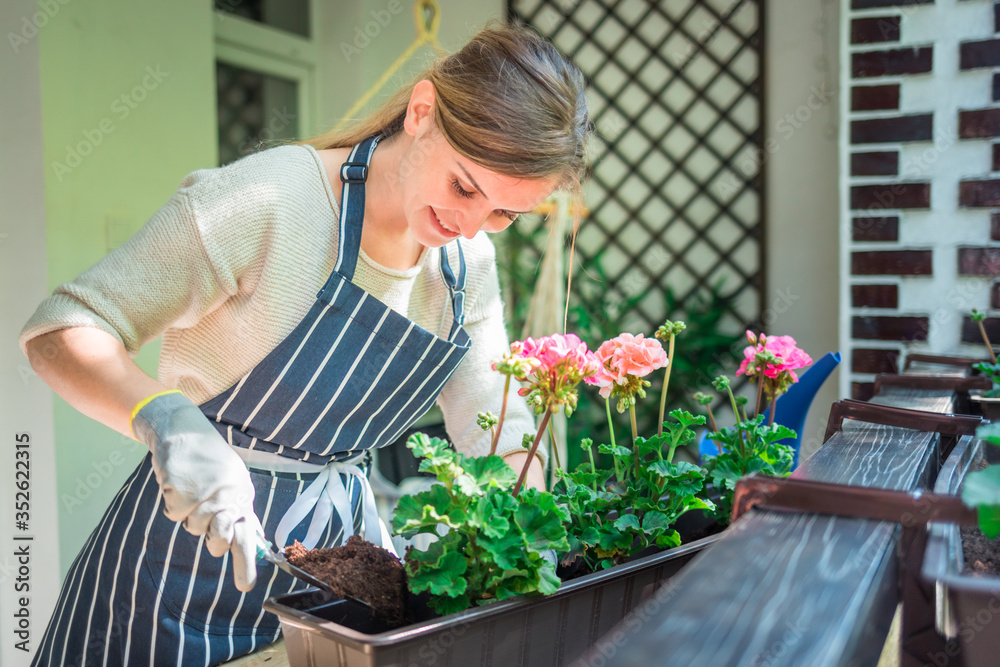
314,300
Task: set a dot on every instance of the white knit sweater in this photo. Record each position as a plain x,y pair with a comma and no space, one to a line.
232,263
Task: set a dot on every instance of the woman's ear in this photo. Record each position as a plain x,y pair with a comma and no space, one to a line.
420,110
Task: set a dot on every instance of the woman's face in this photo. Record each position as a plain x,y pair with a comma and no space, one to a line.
446,195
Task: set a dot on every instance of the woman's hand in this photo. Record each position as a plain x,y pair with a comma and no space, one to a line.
205,484
536,475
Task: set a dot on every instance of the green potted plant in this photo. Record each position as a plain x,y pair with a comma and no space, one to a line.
988,401
489,583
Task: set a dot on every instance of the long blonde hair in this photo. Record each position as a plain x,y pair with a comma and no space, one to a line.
507,100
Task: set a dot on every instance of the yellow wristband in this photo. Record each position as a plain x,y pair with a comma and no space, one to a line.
141,404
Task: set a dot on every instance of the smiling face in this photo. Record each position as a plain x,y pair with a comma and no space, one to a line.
445,195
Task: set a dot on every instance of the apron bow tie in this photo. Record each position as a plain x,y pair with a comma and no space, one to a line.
327,493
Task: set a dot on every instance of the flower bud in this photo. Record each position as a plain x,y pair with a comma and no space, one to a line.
486,420
721,383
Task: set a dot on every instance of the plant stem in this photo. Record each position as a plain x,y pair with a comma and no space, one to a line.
986,339
555,454
736,415
635,436
593,468
611,426
711,419
531,452
666,383
611,430
760,389
503,411
774,402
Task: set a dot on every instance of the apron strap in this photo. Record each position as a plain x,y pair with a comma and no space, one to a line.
327,494
456,285
353,173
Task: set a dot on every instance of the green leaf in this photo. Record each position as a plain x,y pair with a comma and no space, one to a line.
615,450
655,522
628,521
490,471
647,446
506,550
486,519
423,511
774,433
695,503
990,433
989,520
446,605
669,540
541,520
439,573
686,419
548,582
679,479
982,487
590,536
613,540
438,456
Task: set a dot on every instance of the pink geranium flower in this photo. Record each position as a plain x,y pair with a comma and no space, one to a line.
775,358
552,366
788,357
625,359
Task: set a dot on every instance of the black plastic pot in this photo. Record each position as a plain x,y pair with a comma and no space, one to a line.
321,629
968,607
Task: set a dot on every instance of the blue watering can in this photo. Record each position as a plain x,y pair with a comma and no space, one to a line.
793,405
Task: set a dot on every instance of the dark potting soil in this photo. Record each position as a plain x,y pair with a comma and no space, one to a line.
361,570
982,555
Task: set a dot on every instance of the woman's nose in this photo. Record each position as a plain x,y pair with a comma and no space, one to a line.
470,222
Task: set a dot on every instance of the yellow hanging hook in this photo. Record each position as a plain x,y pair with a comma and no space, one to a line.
427,17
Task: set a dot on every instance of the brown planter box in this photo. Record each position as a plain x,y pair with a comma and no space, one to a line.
321,629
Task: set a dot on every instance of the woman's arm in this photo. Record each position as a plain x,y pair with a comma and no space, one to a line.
536,475
90,369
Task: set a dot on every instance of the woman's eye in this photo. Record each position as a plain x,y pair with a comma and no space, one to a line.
460,190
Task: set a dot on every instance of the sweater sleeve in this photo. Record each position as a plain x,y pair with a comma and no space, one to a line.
161,277
475,387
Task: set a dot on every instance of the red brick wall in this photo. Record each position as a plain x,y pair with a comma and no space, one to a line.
921,237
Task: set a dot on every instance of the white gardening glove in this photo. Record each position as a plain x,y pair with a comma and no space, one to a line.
205,484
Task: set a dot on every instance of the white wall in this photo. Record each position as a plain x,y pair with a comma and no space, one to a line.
801,115
25,406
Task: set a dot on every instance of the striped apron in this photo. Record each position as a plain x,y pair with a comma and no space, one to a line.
353,375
